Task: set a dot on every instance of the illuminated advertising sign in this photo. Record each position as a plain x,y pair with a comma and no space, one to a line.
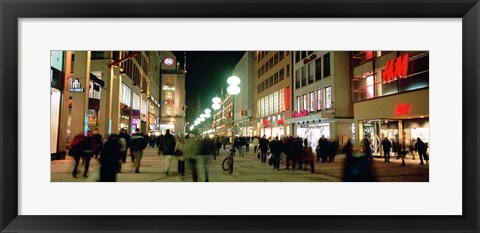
168,88
168,61
395,69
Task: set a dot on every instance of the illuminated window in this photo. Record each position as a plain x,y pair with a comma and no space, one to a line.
282,99
168,110
144,107
298,104
311,72
319,99
304,76
126,95
168,95
136,101
305,102
297,79
312,101
169,81
328,97
275,103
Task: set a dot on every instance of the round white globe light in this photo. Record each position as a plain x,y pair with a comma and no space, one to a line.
233,90
233,80
216,106
202,119
216,100
202,115
208,115
208,111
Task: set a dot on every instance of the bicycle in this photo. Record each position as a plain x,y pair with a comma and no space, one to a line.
227,163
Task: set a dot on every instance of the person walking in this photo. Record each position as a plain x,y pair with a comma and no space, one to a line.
298,153
98,142
168,145
288,148
324,148
309,159
76,149
387,145
224,142
255,144
137,145
190,154
88,150
263,149
179,151
205,151
123,134
110,159
276,148
218,145
332,151
421,147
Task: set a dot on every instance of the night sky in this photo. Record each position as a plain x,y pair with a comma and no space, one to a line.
206,73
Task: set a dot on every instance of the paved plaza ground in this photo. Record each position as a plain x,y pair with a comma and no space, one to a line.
246,169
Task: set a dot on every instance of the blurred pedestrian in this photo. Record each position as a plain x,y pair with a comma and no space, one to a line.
309,159
123,134
387,145
168,145
298,153
76,150
218,145
263,149
422,150
179,148
99,144
332,150
324,148
205,151
276,148
190,154
137,144
358,163
151,140
110,159
289,152
255,144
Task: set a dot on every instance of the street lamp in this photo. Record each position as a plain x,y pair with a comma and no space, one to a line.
215,106
233,90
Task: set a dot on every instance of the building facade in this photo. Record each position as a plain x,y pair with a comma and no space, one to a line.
272,80
390,93
243,114
322,105
172,113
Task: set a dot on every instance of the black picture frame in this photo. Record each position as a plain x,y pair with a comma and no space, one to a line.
11,11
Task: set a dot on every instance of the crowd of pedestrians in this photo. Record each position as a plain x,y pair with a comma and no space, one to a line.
194,150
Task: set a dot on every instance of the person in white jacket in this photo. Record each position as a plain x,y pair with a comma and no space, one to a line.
179,154
255,144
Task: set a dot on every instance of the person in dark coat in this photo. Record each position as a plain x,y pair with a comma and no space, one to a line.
99,143
298,152
387,145
289,152
123,134
218,145
276,147
137,144
324,148
168,145
76,149
110,159
358,163
422,150
332,152
206,149
263,144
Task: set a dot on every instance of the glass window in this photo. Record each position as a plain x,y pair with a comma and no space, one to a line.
328,97
288,70
126,95
318,69
298,104
144,107
304,54
297,79
168,95
282,74
326,65
305,102
312,101
281,55
319,99
281,100
311,72
271,80
275,103
304,76
275,57
136,101
275,78
297,56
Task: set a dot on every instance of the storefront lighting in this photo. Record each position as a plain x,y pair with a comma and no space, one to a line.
422,116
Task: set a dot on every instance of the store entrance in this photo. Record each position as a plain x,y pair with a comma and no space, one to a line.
371,131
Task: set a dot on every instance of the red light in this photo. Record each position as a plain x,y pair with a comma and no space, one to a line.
402,109
368,55
395,69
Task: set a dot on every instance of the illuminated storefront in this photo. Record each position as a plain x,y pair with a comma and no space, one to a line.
392,99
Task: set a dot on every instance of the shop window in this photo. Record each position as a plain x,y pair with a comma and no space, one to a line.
144,107
126,95
136,101
328,97
326,65
319,99
275,103
318,69
282,100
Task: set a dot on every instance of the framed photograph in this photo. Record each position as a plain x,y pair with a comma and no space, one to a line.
417,61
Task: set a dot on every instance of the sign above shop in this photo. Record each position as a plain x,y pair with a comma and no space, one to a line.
265,122
168,61
76,86
402,109
395,69
308,59
299,114
168,88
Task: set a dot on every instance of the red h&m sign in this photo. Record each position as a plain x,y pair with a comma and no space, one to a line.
395,69
265,122
402,109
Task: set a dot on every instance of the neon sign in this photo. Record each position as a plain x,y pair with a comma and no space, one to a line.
395,69
168,61
402,109
299,114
